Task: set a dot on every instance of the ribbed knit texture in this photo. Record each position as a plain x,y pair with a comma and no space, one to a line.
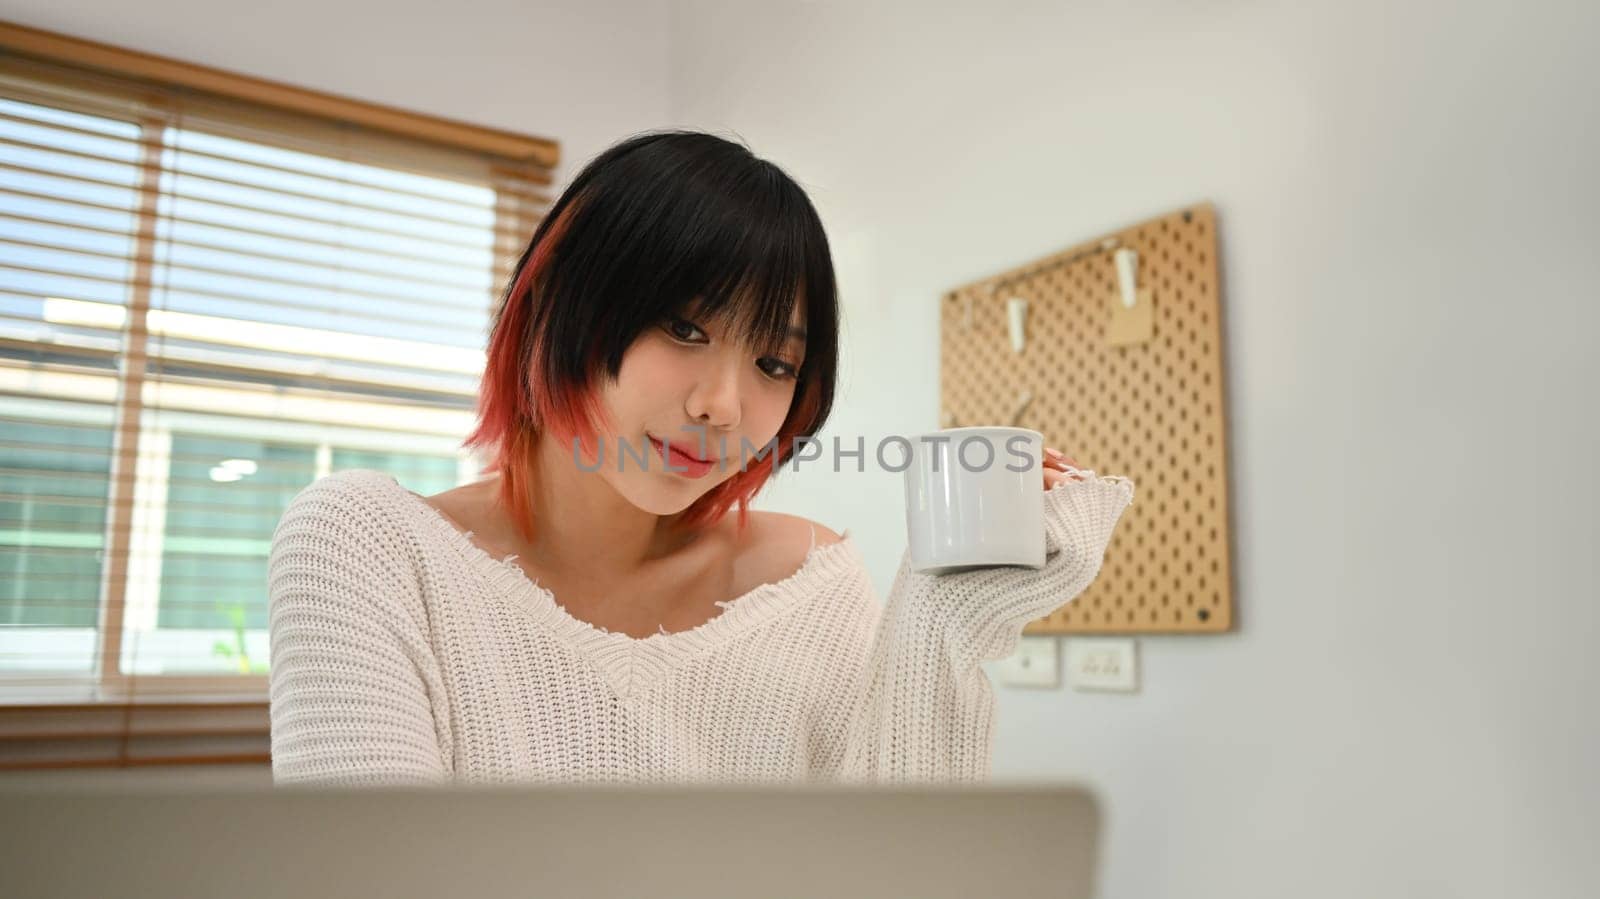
403,652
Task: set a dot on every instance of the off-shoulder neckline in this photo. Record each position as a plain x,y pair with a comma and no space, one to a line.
823,564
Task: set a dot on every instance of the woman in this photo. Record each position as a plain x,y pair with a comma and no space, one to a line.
591,612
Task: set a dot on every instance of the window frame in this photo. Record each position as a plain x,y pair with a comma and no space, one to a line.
517,160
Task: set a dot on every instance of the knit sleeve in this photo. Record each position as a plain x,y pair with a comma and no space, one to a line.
925,710
350,662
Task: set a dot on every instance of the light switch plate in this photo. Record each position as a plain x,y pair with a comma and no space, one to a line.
1036,663
1096,663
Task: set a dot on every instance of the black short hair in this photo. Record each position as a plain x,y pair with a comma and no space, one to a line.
668,217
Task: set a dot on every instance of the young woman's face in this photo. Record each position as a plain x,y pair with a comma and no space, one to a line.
688,382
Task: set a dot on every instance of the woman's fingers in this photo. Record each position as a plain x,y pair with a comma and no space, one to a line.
1057,458
1053,477
1059,467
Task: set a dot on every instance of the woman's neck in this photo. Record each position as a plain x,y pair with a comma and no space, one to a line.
582,524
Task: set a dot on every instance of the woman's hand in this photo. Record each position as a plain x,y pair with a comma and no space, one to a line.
1058,467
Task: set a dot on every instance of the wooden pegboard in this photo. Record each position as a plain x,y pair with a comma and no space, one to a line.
1152,411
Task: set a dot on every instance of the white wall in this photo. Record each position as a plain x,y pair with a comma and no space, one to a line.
585,72
1408,205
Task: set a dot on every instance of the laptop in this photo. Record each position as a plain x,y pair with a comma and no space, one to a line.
472,841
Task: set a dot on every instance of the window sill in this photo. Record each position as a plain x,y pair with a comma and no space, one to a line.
132,732
134,691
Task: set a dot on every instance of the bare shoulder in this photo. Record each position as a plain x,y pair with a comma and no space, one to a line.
455,506
774,545
796,529
470,508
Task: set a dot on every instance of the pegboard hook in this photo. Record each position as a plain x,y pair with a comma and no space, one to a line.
1127,275
1016,316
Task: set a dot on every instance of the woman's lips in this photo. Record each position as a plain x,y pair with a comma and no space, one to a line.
680,464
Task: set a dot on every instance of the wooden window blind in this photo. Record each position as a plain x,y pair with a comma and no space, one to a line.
213,290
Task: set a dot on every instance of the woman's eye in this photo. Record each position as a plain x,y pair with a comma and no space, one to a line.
779,368
676,326
685,330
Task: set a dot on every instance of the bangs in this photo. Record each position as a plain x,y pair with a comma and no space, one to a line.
738,245
748,283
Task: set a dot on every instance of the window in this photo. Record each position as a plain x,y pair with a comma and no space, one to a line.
206,303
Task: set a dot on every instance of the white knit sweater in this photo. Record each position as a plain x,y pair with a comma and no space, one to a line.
403,652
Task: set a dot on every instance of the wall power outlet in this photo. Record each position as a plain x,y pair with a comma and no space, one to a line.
1096,663
1036,663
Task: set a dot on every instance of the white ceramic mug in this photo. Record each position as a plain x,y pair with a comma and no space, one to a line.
975,499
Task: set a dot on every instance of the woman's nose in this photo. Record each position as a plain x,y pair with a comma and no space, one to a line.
715,401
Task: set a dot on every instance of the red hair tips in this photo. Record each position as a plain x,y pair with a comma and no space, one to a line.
518,398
